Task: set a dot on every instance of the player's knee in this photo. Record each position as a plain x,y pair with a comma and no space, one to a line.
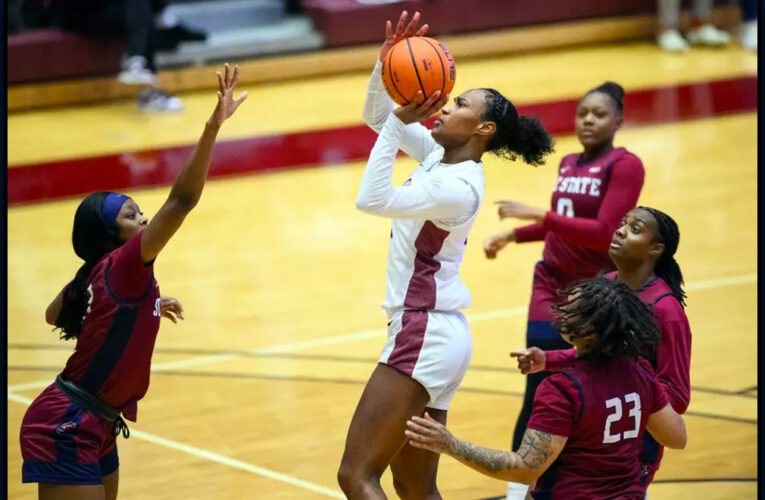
415,488
351,479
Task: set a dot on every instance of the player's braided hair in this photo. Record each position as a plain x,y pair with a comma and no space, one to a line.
516,135
622,325
612,90
667,267
91,239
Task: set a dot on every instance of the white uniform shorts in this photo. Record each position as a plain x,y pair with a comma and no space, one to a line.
432,347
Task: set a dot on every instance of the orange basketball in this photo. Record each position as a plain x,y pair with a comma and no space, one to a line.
417,63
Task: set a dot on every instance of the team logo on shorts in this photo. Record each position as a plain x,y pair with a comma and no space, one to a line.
66,427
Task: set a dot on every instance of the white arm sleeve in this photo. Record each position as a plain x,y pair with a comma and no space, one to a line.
447,199
415,140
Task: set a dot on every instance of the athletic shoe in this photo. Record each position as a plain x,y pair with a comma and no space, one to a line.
158,100
672,41
708,35
134,72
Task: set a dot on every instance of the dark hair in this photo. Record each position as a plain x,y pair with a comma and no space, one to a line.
667,267
516,135
612,90
91,239
621,323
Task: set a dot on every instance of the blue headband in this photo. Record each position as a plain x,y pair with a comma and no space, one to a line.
111,208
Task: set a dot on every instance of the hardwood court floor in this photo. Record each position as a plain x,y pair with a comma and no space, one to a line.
282,278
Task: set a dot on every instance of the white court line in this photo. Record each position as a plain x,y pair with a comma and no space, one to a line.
379,332
216,457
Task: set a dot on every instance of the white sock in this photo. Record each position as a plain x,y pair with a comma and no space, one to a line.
517,491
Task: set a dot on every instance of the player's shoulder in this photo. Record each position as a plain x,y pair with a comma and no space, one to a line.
565,382
623,156
667,308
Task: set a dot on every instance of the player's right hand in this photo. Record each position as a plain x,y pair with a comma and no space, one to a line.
403,30
494,244
227,105
531,360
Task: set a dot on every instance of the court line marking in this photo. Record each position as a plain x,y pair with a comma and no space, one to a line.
215,457
368,334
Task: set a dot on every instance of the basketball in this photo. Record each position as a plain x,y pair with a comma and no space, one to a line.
417,63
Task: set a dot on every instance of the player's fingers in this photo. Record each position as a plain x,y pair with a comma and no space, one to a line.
412,26
235,78
401,22
423,430
388,29
221,86
169,316
227,74
519,353
422,31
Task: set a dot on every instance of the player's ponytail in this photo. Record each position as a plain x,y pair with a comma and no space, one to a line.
667,267
91,239
516,135
619,322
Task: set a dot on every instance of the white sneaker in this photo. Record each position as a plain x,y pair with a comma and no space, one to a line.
158,100
748,35
672,41
708,35
134,72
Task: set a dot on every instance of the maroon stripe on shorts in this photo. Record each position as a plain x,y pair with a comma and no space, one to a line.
420,295
409,341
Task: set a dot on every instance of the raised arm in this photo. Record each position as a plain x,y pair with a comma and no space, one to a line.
188,185
668,428
537,451
415,138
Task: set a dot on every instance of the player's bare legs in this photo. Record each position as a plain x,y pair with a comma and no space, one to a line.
47,491
111,485
376,432
414,469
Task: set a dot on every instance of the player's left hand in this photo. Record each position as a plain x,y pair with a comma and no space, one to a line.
420,109
429,434
518,210
170,307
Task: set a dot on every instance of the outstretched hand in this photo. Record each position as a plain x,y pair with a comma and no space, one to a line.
428,434
403,30
227,105
420,109
518,210
170,307
531,360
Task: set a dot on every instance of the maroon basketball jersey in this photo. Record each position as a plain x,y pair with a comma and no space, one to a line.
579,192
112,359
602,408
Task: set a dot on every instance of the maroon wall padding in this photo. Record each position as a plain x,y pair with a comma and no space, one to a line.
347,22
51,54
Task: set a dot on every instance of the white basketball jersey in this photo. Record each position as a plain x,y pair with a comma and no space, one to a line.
432,213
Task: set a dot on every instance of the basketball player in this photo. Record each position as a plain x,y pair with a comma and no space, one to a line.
589,419
429,342
594,190
643,248
112,307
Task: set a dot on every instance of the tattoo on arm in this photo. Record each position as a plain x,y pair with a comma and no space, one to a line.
535,449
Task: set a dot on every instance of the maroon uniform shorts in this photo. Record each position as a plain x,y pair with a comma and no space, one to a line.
62,443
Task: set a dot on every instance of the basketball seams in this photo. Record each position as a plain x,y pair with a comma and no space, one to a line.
416,72
390,75
441,62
